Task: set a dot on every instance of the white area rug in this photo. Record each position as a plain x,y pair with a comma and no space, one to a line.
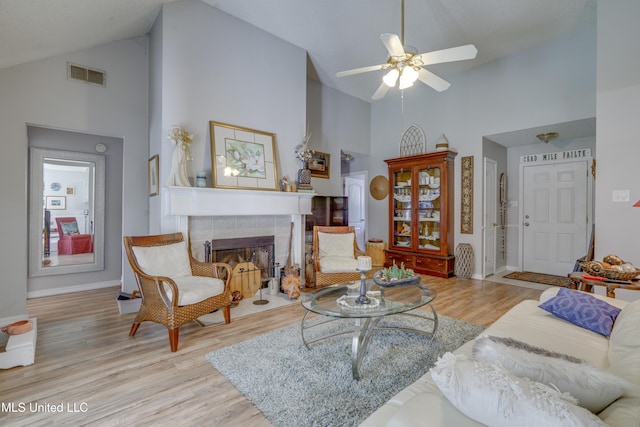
246,307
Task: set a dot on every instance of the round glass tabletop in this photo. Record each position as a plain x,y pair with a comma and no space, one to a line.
340,300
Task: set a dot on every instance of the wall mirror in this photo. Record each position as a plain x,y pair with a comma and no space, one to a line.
66,212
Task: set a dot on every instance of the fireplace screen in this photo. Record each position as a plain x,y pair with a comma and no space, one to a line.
251,259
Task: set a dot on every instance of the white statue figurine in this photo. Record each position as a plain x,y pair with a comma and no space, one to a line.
181,155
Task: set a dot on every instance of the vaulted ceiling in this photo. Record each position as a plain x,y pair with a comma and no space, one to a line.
337,34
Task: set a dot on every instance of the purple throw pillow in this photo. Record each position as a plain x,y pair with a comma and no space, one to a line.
582,310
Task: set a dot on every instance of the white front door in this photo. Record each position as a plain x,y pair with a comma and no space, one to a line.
354,189
490,218
554,217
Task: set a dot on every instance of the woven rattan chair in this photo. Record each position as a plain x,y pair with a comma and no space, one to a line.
329,268
175,287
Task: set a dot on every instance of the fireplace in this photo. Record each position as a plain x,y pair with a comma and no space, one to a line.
212,214
258,252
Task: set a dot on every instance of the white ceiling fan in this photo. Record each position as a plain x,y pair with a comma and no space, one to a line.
406,64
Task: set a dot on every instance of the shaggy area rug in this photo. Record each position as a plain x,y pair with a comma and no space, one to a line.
293,386
545,279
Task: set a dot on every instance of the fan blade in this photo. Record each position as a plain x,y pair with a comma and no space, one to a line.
393,44
432,80
381,91
459,53
361,70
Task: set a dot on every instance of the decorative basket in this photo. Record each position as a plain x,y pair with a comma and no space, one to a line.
590,267
377,277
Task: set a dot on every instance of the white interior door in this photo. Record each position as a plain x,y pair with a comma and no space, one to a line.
554,217
354,189
490,221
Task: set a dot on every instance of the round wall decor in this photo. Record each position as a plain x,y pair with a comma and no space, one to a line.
379,187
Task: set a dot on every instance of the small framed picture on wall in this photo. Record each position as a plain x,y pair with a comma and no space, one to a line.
320,165
154,188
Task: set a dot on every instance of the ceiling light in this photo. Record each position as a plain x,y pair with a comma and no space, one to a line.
391,77
347,157
408,77
546,137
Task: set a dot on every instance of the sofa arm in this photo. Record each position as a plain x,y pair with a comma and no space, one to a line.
430,410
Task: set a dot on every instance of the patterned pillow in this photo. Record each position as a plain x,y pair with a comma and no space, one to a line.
494,396
594,388
582,310
69,228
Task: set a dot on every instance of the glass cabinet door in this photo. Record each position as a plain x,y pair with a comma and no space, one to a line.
429,208
402,208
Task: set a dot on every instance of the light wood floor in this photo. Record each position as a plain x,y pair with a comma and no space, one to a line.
85,360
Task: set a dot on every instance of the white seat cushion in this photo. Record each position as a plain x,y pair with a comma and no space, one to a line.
333,264
167,260
193,289
336,245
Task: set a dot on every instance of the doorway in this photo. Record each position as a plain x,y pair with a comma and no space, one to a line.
489,225
556,216
354,188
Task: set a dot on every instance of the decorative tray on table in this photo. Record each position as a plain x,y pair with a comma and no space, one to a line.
381,280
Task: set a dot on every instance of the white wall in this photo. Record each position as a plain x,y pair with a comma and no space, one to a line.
618,131
39,93
216,67
551,83
336,121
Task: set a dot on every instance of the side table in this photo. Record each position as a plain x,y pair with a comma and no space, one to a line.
583,282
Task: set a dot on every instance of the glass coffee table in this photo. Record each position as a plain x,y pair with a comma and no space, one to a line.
337,302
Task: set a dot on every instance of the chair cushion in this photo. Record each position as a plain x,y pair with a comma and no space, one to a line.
336,245
193,289
494,396
333,264
166,260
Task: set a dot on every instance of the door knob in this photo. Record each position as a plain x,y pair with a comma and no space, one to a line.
526,216
526,224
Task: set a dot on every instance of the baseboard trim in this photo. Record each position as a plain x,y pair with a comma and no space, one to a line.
71,289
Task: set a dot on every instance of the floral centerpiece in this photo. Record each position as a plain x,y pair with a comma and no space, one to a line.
305,155
396,276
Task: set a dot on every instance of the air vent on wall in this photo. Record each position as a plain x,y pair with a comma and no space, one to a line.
86,74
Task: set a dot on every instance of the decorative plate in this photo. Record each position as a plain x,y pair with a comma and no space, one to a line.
377,277
55,186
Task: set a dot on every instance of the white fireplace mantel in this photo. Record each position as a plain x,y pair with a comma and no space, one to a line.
194,201
185,202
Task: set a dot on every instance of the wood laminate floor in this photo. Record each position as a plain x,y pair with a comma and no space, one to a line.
87,365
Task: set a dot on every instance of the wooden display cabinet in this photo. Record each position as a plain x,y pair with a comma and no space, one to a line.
421,213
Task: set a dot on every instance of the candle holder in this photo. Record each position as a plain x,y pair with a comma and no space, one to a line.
363,298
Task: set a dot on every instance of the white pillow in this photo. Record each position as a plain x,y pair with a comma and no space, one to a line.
594,388
167,260
494,396
336,244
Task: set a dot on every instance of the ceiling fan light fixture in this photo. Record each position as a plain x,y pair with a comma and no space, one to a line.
546,137
391,77
408,76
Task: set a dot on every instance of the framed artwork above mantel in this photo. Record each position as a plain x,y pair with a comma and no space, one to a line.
243,158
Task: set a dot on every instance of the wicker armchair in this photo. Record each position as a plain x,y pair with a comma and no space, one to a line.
175,287
335,255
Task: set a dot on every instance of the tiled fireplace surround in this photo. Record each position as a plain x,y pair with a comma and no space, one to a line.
211,214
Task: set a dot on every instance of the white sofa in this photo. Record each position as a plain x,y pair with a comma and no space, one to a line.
423,404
